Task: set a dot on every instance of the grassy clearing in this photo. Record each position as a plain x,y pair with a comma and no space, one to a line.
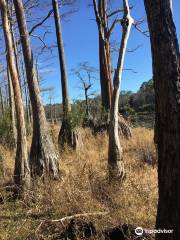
83,188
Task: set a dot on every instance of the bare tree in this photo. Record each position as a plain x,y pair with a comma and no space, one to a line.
43,155
100,10
166,75
67,134
22,171
86,81
115,158
105,28
50,92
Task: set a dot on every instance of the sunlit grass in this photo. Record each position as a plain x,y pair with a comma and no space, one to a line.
84,188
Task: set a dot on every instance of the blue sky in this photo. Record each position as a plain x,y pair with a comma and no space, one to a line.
81,44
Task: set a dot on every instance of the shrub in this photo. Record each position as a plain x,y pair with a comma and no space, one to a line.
6,133
1,165
77,115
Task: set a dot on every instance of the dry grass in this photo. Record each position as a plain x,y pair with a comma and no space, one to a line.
84,188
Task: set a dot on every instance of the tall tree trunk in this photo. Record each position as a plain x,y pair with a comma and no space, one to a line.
87,102
104,55
105,63
43,155
105,73
26,92
15,48
67,135
166,75
55,116
64,80
2,101
115,159
12,107
6,96
21,172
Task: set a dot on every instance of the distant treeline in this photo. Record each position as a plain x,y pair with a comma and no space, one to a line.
137,107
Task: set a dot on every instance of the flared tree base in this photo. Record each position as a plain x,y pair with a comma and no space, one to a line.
44,159
116,172
69,137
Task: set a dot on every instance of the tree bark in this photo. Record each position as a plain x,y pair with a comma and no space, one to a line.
115,158
67,135
22,171
15,46
87,102
26,92
64,80
43,155
2,102
105,63
12,107
166,75
104,53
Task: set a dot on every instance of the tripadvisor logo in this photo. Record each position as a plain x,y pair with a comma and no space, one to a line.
139,231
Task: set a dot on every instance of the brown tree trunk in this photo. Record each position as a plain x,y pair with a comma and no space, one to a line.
115,158
26,92
166,75
105,63
6,96
105,73
104,55
21,172
12,107
64,80
67,135
43,155
2,102
15,47
87,102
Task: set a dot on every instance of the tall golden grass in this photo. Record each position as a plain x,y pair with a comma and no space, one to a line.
84,188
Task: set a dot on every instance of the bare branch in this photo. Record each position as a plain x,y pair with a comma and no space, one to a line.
120,10
61,220
134,49
40,23
129,69
98,19
36,36
137,24
113,26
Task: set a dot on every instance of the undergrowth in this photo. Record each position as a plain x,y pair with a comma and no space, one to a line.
84,188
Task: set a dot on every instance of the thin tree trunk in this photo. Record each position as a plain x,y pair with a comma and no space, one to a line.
64,80
2,102
12,107
15,51
55,117
67,135
6,97
115,158
51,110
21,172
166,75
28,114
43,155
87,103
27,105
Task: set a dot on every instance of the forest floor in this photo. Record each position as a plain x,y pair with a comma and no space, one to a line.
84,188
